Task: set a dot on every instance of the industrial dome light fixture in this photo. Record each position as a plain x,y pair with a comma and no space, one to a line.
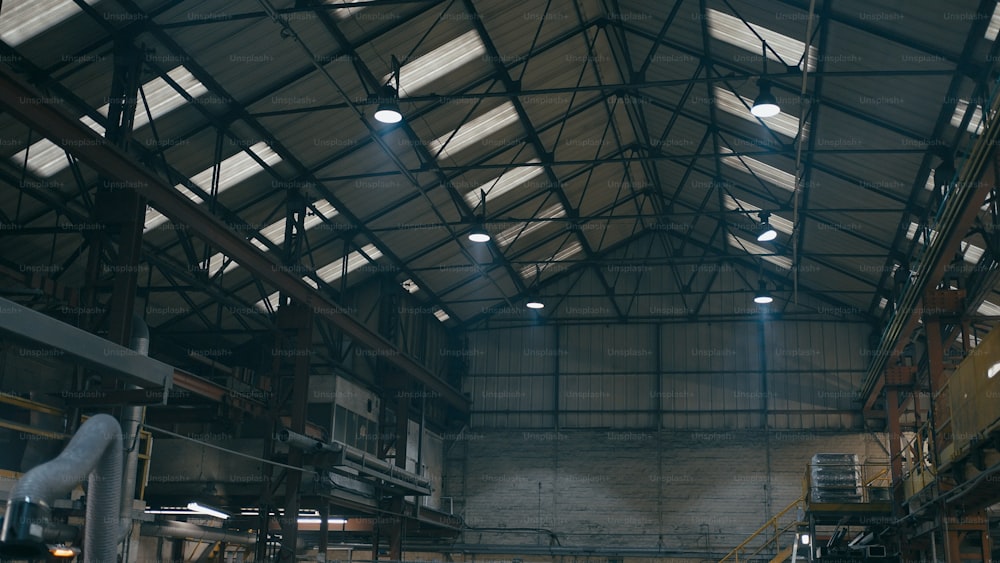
479,234
766,105
388,106
534,301
388,98
763,295
765,232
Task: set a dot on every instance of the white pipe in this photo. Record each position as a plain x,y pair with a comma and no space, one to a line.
187,530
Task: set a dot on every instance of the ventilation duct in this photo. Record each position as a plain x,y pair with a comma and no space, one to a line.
95,450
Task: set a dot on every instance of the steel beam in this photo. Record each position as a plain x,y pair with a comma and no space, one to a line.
959,214
16,97
27,325
296,322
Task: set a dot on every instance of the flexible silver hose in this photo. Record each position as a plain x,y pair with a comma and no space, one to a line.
95,450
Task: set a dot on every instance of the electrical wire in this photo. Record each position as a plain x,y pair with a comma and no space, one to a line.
227,450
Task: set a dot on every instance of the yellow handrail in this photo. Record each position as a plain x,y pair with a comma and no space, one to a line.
878,476
773,522
777,535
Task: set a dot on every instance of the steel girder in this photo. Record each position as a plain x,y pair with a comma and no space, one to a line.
105,159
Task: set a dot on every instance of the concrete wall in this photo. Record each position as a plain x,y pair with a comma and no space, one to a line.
677,490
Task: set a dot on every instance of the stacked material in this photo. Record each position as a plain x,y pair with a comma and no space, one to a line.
835,478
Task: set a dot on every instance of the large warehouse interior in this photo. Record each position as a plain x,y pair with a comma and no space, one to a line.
499,281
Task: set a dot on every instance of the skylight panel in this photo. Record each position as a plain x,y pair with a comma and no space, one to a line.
89,122
737,105
425,69
345,13
217,262
441,315
777,221
271,299
732,30
504,183
530,271
474,130
162,97
47,159
970,252
154,218
232,171
329,273
237,168
507,236
975,124
765,172
994,27
765,254
23,19
275,232
334,270
410,286
324,210
989,309
929,184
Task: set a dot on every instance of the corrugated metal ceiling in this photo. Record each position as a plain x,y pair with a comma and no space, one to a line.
613,125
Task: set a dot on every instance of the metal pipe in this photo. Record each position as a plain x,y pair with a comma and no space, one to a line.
351,454
95,450
308,443
132,417
187,530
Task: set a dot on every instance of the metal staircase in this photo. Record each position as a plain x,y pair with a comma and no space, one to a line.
777,536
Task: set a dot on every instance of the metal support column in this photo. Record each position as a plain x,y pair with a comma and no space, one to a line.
895,455
295,322
295,318
324,531
396,506
946,304
122,210
967,538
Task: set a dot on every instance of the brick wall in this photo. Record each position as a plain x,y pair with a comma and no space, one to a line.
673,489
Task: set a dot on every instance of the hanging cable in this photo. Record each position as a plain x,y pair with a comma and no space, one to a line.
227,450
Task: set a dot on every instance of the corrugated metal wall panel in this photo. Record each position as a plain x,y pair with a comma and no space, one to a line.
513,351
706,376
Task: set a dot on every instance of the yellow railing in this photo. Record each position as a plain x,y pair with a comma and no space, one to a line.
145,438
778,531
